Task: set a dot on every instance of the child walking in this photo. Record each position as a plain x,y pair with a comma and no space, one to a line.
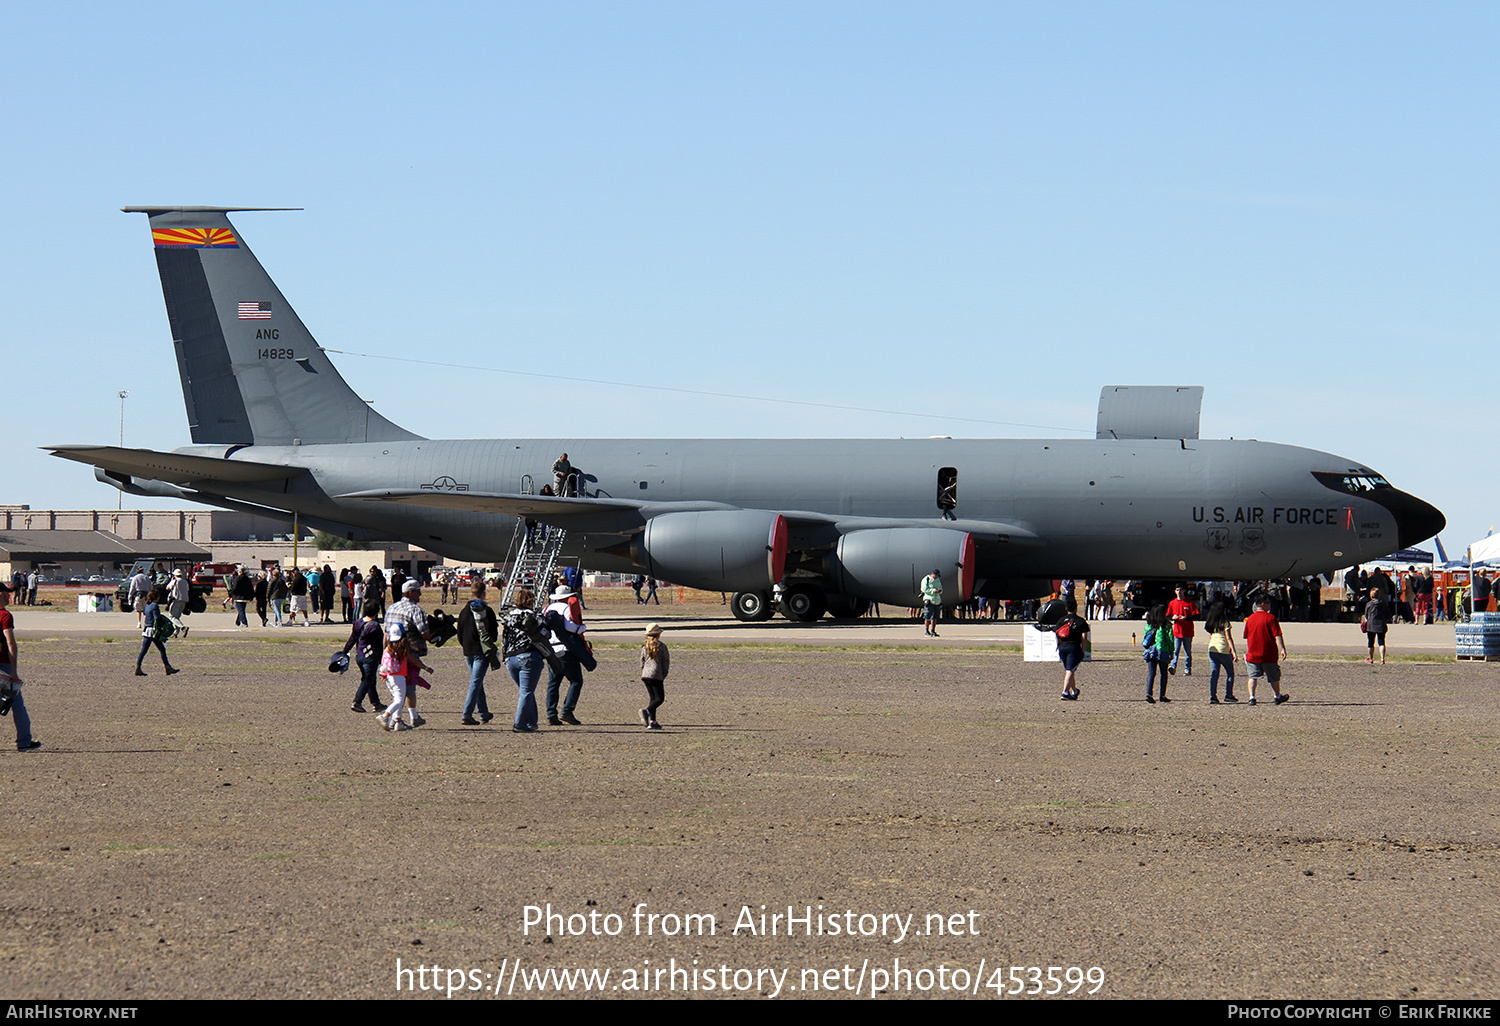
655,662
399,666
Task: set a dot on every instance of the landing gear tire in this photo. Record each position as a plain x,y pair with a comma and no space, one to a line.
803,603
847,607
751,606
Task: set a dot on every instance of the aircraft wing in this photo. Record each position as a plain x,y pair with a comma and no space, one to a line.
177,468
519,504
631,513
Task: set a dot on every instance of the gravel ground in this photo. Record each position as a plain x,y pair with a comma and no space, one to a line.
237,831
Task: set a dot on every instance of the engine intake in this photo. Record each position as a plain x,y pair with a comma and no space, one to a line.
717,550
888,564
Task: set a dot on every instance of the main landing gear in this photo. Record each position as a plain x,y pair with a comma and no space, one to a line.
800,603
803,603
752,606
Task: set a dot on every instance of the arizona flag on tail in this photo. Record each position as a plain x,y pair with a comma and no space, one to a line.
195,238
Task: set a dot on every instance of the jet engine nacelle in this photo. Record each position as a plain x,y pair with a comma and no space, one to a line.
888,564
717,550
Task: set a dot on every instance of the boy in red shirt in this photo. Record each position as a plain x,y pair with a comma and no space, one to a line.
1262,633
1180,614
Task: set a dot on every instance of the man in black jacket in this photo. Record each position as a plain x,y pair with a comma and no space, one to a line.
478,634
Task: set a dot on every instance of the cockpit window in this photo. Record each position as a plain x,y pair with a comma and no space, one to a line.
1352,483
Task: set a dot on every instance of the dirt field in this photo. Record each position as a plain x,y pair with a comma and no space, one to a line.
237,831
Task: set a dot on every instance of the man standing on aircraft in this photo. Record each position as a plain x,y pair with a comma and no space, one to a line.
1262,634
561,471
409,613
1181,611
24,742
932,601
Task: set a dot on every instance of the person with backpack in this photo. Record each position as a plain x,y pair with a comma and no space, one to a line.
1158,648
1072,636
479,636
157,628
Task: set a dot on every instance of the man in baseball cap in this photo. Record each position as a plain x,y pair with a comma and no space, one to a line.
410,617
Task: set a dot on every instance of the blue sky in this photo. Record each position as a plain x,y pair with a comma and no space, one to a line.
984,211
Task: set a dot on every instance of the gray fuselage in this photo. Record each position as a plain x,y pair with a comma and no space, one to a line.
1204,509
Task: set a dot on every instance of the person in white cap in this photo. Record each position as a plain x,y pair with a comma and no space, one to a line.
399,666
567,639
409,614
177,600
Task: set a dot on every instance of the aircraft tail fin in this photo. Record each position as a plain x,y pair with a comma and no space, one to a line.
251,373
1442,556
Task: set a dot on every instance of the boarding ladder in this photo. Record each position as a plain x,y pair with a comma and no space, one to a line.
533,558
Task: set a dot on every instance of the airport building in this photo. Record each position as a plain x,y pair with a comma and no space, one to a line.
88,543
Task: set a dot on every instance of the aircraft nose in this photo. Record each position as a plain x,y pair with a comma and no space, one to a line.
1416,521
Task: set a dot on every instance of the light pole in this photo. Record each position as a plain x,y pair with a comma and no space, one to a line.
123,394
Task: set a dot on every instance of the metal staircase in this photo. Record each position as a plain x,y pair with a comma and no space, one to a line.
534,554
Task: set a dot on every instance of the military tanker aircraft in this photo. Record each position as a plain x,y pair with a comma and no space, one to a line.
806,527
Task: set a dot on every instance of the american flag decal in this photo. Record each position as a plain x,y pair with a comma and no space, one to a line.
259,311
194,238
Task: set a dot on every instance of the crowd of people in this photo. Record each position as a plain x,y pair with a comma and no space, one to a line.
1167,640
391,648
390,642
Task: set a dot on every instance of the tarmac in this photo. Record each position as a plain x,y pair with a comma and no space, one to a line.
702,622
236,831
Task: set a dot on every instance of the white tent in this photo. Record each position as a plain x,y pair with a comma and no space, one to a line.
1485,550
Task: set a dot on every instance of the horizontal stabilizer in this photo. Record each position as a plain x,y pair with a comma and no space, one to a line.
172,466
